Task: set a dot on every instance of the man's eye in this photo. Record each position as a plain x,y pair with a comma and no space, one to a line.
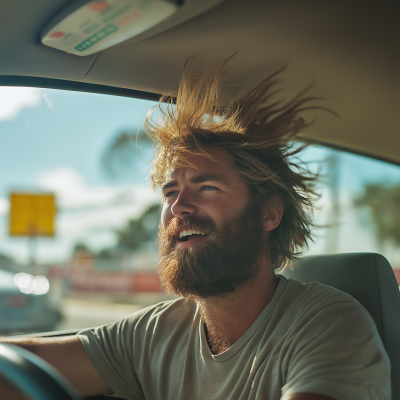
209,187
171,193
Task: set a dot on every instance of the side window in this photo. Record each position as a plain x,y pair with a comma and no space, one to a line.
359,208
78,219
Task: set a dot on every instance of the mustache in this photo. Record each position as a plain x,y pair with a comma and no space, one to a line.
176,224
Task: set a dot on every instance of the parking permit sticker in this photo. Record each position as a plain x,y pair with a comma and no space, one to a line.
101,24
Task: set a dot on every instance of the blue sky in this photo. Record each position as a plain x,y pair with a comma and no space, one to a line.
66,128
54,140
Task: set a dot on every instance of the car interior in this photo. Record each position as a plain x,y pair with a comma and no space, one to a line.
345,52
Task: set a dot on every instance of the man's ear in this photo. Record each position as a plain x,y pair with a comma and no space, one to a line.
272,215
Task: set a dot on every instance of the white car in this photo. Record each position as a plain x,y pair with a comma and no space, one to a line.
22,312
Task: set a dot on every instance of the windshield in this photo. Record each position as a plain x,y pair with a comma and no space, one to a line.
78,219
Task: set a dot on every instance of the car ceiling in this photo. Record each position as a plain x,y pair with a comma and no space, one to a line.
348,51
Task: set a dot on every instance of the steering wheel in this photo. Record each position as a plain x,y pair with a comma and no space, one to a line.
32,376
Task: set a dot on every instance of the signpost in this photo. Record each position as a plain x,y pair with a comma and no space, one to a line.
32,215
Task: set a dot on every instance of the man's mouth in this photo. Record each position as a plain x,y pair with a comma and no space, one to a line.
190,234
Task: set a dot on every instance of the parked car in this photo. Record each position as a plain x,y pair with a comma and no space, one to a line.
22,312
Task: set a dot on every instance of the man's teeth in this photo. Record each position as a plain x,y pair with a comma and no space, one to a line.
190,232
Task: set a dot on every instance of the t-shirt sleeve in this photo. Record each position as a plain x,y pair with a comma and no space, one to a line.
338,353
110,349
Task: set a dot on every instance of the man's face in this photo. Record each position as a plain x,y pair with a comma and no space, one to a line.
210,235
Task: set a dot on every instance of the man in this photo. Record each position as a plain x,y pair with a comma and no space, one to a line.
235,210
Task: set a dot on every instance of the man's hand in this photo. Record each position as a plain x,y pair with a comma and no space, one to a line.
68,356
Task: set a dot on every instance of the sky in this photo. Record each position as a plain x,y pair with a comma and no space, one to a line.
54,141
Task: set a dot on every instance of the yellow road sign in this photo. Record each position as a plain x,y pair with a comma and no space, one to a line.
32,214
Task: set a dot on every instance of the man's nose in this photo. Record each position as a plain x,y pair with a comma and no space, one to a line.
183,206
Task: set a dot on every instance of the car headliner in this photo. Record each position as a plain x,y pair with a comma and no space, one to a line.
349,50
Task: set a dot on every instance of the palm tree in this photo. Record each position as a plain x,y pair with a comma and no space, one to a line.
383,200
123,150
138,231
119,155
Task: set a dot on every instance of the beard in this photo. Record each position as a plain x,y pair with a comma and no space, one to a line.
226,261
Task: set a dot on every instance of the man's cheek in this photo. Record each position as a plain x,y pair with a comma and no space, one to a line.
166,215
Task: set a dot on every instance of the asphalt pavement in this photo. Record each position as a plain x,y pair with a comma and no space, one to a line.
81,313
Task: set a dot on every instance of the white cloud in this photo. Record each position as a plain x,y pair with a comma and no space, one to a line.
4,206
62,180
72,192
14,99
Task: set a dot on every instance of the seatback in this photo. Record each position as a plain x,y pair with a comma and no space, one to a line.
369,278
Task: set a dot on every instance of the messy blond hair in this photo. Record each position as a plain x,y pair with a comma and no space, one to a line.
257,131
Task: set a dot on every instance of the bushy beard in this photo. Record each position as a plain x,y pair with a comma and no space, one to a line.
225,262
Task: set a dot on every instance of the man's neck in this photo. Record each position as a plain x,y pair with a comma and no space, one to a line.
228,318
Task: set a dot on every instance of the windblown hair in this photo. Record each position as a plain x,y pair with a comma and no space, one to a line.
257,131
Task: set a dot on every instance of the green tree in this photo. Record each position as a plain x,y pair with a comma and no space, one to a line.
384,203
80,248
118,156
123,150
141,230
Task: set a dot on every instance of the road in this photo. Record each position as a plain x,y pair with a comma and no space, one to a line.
87,312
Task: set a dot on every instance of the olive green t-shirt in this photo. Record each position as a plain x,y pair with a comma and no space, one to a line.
310,338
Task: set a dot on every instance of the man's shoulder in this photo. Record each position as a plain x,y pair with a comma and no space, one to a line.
313,291
166,312
330,344
305,300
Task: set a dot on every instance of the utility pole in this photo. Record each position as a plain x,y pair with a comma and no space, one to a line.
332,234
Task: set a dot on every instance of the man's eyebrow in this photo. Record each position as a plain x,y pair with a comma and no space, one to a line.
197,179
169,185
208,177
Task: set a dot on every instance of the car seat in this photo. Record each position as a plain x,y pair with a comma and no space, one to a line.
369,278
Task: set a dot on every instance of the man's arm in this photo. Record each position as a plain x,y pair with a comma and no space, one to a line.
68,356
308,396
